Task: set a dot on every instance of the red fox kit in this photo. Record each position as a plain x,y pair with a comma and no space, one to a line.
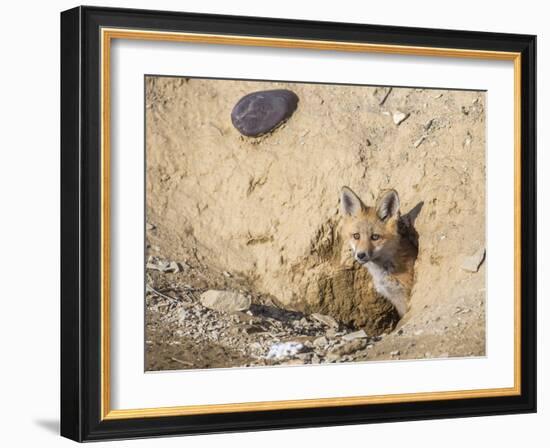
377,237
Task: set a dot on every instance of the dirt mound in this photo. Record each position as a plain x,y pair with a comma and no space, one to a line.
266,210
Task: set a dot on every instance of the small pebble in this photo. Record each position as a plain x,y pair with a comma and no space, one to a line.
320,342
399,117
473,262
355,335
225,301
326,320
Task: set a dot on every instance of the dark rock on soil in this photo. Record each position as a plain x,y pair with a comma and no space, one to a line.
260,112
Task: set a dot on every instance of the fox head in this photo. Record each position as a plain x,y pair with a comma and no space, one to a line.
371,232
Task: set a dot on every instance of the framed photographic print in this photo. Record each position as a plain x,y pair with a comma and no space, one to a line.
273,224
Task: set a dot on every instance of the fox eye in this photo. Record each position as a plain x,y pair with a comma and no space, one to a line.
356,236
375,236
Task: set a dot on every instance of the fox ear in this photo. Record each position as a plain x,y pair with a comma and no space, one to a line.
350,204
387,205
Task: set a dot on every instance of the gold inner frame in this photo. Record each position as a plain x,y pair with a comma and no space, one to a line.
107,35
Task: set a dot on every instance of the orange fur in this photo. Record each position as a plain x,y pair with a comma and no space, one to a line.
376,238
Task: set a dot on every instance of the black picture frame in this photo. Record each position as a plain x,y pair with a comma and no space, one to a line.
81,224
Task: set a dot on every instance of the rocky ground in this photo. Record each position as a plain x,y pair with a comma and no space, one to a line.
184,331
197,327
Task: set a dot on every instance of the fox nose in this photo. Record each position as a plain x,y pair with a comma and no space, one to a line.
361,255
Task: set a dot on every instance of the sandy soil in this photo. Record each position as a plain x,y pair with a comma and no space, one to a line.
260,216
